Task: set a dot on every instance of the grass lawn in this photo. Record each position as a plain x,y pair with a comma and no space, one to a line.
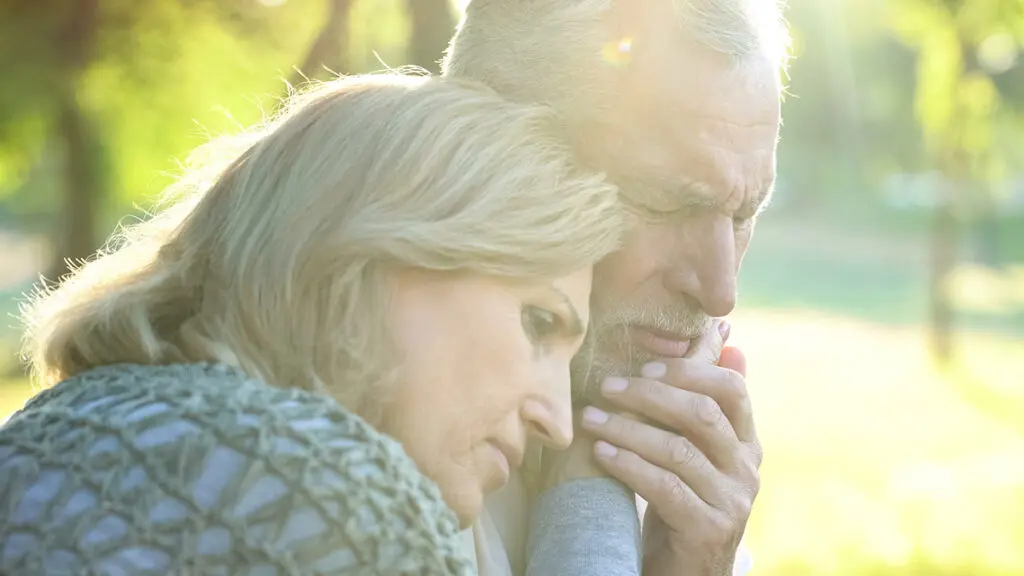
876,463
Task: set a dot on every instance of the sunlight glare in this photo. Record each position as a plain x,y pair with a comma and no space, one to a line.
618,53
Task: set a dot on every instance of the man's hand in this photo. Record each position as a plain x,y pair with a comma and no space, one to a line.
695,458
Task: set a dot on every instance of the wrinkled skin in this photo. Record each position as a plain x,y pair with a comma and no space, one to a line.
692,144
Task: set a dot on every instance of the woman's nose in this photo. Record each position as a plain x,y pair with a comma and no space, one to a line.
549,419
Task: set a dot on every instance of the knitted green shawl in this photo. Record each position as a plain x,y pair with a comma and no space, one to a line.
199,469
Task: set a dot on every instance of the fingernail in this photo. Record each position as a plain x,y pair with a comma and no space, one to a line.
593,415
614,385
724,329
653,370
604,450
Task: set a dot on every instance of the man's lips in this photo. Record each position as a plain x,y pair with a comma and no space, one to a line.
660,343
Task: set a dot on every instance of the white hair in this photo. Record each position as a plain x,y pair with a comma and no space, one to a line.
277,259
550,51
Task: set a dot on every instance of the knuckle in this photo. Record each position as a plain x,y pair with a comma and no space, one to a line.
680,452
755,484
737,384
754,480
747,475
721,528
757,451
707,410
672,488
734,389
740,505
647,388
622,425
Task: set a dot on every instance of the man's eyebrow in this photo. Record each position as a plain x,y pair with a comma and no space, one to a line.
695,194
677,192
575,327
681,192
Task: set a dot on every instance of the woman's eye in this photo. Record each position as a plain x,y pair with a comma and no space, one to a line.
539,324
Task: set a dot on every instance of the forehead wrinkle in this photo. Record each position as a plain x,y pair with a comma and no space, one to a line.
693,114
697,194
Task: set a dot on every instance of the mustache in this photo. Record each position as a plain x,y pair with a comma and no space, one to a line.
611,328
684,321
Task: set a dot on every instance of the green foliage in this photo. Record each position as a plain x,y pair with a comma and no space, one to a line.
957,101
215,82
160,79
163,78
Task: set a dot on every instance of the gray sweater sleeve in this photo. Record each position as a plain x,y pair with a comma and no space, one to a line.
585,527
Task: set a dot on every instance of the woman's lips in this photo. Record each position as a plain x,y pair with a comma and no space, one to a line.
503,464
660,343
507,457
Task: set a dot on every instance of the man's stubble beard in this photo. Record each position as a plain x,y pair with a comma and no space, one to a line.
608,350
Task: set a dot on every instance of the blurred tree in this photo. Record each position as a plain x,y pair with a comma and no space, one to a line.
67,65
45,62
329,52
848,120
433,23
83,179
958,105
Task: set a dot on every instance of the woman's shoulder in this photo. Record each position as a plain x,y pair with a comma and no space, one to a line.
280,476
120,390
150,407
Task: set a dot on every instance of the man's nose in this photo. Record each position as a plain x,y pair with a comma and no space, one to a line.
548,415
704,265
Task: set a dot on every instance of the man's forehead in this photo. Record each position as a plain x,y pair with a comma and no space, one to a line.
702,162
706,135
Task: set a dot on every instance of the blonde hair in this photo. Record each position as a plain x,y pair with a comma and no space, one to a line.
274,262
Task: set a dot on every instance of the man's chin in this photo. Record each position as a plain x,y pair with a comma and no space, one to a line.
587,380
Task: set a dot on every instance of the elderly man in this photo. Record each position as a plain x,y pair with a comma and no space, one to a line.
678,102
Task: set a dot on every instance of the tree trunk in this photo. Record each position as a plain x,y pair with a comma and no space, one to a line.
433,23
330,49
943,260
76,236
844,95
986,222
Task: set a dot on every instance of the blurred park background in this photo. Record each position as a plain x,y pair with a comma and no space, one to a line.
882,303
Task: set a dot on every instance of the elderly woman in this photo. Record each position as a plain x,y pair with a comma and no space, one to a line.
323,358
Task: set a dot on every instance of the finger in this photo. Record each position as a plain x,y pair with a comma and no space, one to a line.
697,416
733,359
708,348
664,449
727,387
677,504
